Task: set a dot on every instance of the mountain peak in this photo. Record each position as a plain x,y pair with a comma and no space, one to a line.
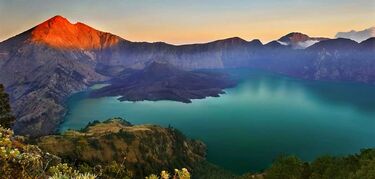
54,22
58,32
275,45
294,37
298,40
58,19
256,43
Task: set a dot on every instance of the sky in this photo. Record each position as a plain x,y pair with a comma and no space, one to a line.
194,21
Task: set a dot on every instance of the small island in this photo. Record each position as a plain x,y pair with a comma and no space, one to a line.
162,81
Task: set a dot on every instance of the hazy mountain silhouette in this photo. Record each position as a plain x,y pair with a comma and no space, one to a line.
358,36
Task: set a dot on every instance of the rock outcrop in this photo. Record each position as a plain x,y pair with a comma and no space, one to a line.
143,149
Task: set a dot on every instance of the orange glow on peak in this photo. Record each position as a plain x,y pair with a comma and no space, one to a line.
59,32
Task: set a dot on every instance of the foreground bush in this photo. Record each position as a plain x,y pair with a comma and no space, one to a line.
63,171
178,174
22,161
18,160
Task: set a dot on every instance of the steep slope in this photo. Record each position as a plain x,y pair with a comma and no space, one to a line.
60,33
218,54
40,75
341,60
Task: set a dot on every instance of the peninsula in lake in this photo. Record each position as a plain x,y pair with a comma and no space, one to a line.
162,81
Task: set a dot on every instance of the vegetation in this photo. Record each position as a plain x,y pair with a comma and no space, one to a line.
358,166
6,117
122,149
19,160
178,174
62,171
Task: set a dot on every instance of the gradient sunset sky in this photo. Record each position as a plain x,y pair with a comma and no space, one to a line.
194,21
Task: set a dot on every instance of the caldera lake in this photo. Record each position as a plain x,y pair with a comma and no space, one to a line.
266,115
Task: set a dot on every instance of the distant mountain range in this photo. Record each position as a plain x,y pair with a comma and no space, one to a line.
358,36
44,65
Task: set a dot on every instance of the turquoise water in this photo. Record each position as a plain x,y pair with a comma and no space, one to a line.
265,116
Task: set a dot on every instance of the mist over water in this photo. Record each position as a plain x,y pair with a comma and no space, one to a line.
265,116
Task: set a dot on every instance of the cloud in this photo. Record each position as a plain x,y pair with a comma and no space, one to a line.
299,45
305,44
358,36
282,43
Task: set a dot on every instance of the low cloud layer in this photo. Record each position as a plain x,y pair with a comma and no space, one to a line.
300,45
358,36
307,43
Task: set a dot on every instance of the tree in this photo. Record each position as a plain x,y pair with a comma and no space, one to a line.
6,117
286,167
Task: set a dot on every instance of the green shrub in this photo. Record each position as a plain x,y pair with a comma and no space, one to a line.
178,174
18,160
286,167
63,171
